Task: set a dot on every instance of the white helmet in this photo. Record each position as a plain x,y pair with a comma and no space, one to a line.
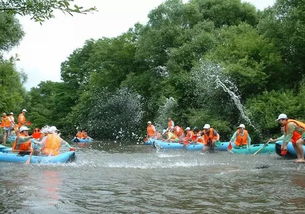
24,110
23,128
282,116
206,126
187,128
53,129
241,126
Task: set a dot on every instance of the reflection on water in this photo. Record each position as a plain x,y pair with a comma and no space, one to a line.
137,179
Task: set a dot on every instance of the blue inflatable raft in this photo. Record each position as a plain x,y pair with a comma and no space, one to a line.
159,144
7,156
268,149
291,153
82,140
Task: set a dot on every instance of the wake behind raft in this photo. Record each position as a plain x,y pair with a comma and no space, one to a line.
6,155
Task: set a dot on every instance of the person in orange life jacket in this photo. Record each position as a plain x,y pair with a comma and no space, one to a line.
188,135
179,132
294,131
23,143
170,124
241,137
21,118
197,134
210,137
51,144
6,125
150,130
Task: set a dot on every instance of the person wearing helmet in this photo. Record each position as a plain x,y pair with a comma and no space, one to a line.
241,136
294,131
210,137
22,119
52,142
188,135
23,143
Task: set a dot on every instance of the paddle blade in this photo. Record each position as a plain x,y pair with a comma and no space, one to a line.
230,147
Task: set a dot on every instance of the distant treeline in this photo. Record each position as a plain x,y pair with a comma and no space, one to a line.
166,68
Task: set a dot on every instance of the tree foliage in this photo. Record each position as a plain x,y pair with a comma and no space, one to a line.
205,61
41,10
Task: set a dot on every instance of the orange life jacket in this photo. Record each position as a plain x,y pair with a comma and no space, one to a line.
209,136
295,135
52,145
200,140
5,122
151,130
79,135
178,131
25,146
241,139
189,134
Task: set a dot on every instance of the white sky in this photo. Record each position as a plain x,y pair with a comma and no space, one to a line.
44,47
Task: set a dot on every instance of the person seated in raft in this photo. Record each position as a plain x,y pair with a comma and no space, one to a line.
188,135
196,135
210,137
294,131
37,134
150,130
171,136
52,143
241,137
23,143
170,124
85,135
179,132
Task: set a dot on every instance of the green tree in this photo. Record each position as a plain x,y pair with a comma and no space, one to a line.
284,24
40,10
10,31
12,92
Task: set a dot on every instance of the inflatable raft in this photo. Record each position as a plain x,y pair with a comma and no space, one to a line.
159,144
150,141
82,140
270,148
7,156
291,153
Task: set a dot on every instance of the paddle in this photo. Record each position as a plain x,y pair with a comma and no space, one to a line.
262,148
29,160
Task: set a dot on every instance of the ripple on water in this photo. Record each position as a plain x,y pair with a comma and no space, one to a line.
146,181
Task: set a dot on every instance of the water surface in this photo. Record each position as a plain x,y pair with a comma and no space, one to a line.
138,179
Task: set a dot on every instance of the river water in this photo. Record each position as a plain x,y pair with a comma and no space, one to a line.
139,179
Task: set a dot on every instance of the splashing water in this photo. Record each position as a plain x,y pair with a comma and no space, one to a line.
164,112
210,76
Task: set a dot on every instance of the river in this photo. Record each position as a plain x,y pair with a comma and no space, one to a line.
139,179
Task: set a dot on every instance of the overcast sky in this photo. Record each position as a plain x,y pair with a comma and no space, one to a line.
44,47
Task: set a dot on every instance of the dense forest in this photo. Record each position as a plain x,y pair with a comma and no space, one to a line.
221,62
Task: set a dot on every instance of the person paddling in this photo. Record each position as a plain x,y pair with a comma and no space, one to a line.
241,137
294,131
210,137
23,143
